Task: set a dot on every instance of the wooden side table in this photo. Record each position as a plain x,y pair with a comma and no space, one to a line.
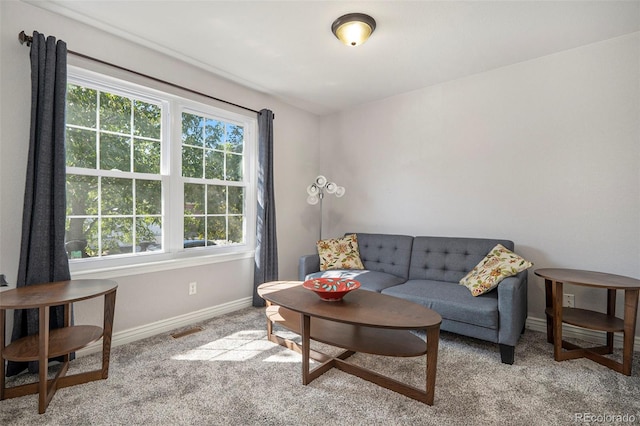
57,342
609,323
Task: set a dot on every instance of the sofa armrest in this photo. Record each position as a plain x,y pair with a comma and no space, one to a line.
308,264
512,308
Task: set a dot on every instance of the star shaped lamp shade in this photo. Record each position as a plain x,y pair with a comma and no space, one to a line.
321,186
316,191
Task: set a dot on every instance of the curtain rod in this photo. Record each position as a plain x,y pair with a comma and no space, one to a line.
24,38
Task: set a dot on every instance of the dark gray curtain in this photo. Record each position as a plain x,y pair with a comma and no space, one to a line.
42,253
266,258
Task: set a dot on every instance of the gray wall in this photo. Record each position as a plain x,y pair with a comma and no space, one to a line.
545,153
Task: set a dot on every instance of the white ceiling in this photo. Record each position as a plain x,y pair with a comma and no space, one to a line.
286,48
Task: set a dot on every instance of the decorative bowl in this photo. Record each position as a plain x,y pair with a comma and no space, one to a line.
331,289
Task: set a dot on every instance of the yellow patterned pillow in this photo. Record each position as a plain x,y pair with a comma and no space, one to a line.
499,264
339,253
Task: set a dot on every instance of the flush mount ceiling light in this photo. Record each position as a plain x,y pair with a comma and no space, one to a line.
353,29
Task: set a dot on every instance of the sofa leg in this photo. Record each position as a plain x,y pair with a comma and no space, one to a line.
507,353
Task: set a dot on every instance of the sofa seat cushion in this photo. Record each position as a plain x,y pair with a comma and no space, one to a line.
369,280
452,301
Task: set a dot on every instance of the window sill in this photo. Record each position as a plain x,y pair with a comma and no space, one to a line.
156,266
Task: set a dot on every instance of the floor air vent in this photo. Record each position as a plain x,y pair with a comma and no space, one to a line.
186,332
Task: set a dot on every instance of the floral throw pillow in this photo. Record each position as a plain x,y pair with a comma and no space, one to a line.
340,253
499,264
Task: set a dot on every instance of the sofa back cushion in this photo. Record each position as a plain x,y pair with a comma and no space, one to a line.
386,253
449,258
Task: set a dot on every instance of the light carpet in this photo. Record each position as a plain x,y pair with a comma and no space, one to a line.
229,374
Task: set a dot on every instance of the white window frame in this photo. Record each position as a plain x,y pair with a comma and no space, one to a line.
174,255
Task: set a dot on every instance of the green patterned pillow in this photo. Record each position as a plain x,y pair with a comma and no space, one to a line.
339,253
499,264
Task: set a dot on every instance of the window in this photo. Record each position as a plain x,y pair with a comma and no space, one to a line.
212,168
114,189
153,176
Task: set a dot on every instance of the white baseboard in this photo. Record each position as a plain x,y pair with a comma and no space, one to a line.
572,331
148,330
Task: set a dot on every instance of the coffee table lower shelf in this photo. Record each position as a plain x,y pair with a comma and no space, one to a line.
355,338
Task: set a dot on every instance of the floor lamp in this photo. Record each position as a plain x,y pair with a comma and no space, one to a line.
317,190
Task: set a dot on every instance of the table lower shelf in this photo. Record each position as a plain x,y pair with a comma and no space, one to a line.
62,341
591,320
372,340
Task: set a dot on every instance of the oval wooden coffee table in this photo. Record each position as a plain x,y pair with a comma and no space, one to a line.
363,321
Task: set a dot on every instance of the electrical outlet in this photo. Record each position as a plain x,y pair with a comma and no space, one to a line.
193,288
568,300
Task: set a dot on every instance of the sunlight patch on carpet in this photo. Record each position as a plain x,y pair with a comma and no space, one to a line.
240,346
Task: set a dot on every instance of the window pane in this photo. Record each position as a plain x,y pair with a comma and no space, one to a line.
117,196
146,156
81,148
236,229
193,199
148,197
214,134
191,162
193,228
217,228
81,238
236,200
192,129
148,234
81,106
115,152
82,195
92,229
234,167
216,199
77,233
235,138
214,167
117,235
146,119
115,113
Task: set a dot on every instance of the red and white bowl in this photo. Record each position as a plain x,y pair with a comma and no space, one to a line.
331,289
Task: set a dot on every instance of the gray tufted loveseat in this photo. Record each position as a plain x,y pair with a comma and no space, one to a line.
427,270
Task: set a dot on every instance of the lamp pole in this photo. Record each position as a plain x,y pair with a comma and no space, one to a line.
321,196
